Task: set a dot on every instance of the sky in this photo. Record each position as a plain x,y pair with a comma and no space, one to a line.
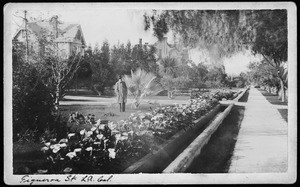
117,25
114,25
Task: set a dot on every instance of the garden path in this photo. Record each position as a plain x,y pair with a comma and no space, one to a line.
262,142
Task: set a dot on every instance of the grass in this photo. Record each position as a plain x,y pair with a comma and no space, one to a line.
27,157
112,112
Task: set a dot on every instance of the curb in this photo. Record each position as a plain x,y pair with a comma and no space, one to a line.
184,160
240,95
156,162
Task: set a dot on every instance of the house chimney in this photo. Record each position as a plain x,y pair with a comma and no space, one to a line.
54,23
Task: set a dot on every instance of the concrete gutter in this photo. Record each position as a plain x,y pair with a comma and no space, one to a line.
240,95
235,100
185,159
157,161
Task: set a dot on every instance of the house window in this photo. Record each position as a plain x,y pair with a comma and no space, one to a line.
23,33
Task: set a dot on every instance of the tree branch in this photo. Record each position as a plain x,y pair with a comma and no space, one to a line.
269,61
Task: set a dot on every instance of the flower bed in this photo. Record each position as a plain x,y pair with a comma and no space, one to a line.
112,147
217,94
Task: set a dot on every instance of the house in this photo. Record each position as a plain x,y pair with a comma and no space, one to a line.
176,50
68,37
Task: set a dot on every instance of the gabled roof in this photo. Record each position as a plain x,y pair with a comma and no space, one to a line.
67,32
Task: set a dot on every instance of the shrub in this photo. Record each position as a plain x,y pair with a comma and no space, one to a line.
110,148
32,102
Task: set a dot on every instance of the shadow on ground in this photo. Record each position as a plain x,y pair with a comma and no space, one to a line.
273,99
216,154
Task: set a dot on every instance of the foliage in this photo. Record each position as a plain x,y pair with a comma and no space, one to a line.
208,28
172,77
102,71
216,94
198,75
141,84
110,148
264,32
32,102
262,73
144,57
129,58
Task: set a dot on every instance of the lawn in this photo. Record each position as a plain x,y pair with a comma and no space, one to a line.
107,109
27,157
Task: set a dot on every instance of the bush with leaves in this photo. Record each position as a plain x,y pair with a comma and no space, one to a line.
111,147
218,94
32,101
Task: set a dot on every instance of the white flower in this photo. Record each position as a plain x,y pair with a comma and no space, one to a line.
118,136
123,138
112,153
100,136
63,145
77,150
71,154
44,149
102,127
63,141
89,149
114,132
55,150
111,125
98,122
71,134
40,171
47,144
82,132
89,133
142,116
93,128
67,170
51,146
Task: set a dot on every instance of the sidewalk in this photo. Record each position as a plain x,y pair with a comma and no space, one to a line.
261,145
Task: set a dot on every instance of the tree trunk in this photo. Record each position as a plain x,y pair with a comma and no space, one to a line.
170,94
282,95
96,90
56,104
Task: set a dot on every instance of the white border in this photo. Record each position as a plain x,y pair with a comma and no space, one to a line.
243,178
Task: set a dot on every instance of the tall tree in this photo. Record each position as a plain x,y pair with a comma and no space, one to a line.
54,68
102,72
262,31
172,75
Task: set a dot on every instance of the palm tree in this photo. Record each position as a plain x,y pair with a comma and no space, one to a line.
168,66
141,84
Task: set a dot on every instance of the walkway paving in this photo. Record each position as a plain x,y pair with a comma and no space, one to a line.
261,145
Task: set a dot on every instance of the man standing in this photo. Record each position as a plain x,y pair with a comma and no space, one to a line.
121,90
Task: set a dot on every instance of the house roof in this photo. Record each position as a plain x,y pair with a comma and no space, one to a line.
67,32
